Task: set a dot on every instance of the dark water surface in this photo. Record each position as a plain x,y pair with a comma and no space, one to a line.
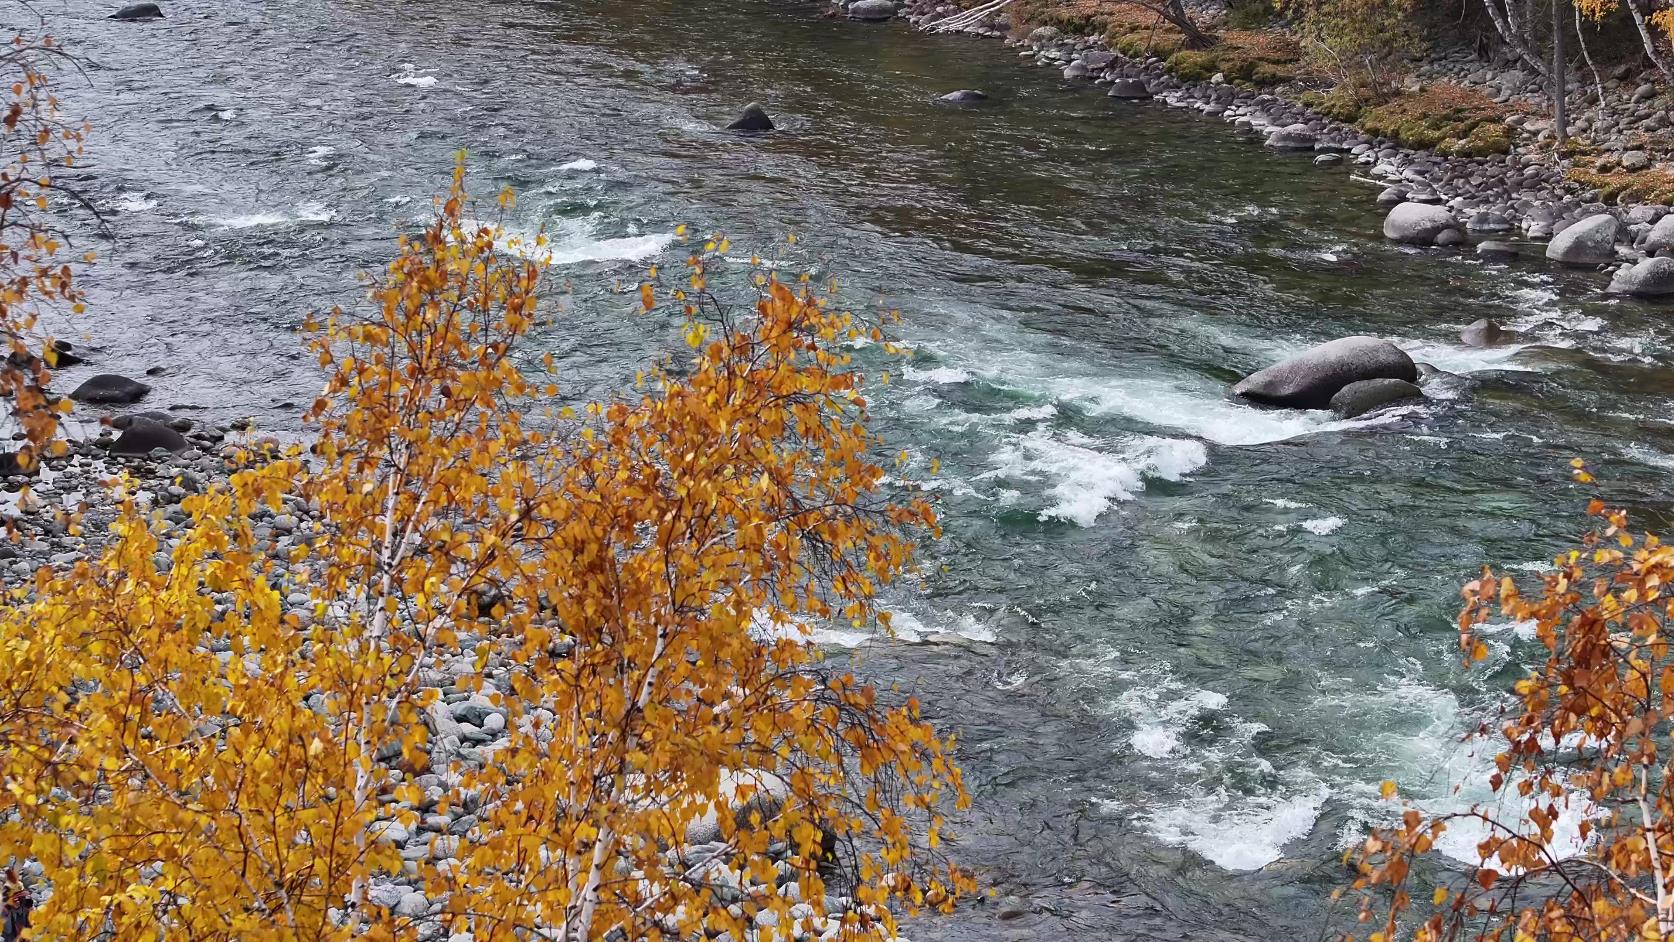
1214,630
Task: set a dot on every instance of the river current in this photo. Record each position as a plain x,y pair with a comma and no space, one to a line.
1194,636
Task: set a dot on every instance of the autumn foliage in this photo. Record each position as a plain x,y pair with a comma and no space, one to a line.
37,145
192,754
1585,740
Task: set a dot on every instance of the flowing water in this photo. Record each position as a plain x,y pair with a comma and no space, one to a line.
1214,630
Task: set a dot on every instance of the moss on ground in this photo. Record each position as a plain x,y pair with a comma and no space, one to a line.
1646,186
1249,57
1448,119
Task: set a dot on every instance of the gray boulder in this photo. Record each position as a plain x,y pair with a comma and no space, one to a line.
110,388
141,435
1309,379
1368,394
1075,70
1661,235
1634,161
1328,160
1392,197
138,11
1096,59
1487,333
964,96
767,799
1450,237
1293,137
872,11
1130,89
1590,241
1417,223
752,118
1651,278
1488,222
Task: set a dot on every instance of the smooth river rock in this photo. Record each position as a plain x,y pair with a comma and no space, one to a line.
1293,137
110,388
1651,278
1496,251
1309,379
964,96
1417,223
1129,89
752,118
872,11
1368,394
1591,241
138,11
1661,235
141,435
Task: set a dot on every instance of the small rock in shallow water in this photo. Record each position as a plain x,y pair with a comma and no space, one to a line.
965,96
1328,160
138,11
1129,89
110,388
1450,236
1392,197
1496,251
753,118
1486,333
143,435
1293,137
1357,399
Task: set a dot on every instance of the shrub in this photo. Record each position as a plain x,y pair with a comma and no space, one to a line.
190,755
1360,44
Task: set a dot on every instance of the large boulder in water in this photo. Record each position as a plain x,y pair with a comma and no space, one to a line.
1661,235
1590,241
752,118
1417,223
964,96
1368,394
1309,379
872,11
143,435
1651,278
138,11
110,388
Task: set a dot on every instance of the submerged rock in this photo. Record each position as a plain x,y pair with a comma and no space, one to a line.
1417,223
872,11
752,118
1591,241
1651,278
1130,89
964,96
138,11
110,388
1309,379
1496,251
1368,394
1486,333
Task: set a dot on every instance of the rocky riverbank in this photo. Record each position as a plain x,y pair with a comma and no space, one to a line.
1498,205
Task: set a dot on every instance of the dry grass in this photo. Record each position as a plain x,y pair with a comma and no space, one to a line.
1646,186
1449,119
1243,56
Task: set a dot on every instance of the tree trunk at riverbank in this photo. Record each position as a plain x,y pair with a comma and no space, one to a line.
1560,73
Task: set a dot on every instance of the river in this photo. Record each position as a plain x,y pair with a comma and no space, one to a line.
1212,631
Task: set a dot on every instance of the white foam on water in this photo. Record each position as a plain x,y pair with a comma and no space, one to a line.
409,75
1644,454
580,166
576,245
1324,526
1199,412
135,203
1285,504
304,212
1238,833
1033,413
1083,481
318,153
1162,714
940,376
1455,358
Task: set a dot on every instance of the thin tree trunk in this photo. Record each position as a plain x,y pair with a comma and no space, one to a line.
1598,80
1636,7
1503,24
1560,75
